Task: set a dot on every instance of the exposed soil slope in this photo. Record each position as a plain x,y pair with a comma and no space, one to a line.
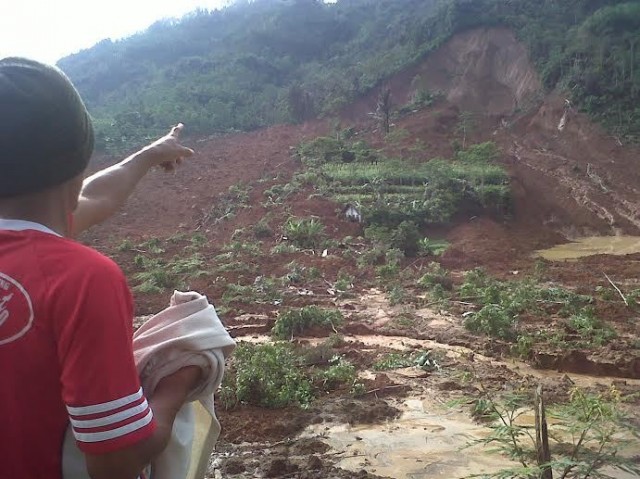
568,175
575,181
484,71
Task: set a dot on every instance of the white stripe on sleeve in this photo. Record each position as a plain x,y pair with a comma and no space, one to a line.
114,433
105,406
112,419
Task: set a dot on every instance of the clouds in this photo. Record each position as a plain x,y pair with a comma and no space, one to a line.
48,30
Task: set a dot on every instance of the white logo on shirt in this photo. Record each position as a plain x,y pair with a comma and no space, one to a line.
4,314
16,310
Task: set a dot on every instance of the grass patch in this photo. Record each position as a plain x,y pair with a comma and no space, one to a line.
295,321
304,232
226,205
156,274
276,375
390,192
501,303
263,290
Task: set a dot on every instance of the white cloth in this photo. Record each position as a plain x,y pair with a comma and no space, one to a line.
187,333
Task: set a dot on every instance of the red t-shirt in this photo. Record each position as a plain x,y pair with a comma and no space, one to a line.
65,353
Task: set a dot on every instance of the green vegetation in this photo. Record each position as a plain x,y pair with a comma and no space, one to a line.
156,274
431,247
591,330
501,303
295,321
405,197
344,284
586,434
268,375
394,361
437,281
304,232
276,375
497,309
421,359
262,62
225,206
262,290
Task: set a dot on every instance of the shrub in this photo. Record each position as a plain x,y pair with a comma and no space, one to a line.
432,247
304,232
158,275
585,435
393,361
405,237
344,283
275,375
391,268
339,372
493,320
397,295
262,230
436,275
269,375
482,153
296,321
591,329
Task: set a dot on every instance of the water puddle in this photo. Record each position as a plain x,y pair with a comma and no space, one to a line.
612,245
425,442
428,441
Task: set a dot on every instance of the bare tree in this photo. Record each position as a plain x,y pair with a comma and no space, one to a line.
383,109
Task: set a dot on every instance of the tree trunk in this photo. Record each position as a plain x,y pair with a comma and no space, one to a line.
542,436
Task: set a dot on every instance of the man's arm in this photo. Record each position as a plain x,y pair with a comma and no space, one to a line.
166,401
106,191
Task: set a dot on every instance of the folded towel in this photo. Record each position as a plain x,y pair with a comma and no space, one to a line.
187,333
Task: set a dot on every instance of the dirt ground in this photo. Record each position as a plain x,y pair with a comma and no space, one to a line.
567,183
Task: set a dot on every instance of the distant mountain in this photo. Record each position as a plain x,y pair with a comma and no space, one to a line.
261,62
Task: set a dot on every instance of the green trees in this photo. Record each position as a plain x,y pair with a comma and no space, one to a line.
262,62
605,74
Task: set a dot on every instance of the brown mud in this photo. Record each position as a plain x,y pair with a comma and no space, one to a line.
569,181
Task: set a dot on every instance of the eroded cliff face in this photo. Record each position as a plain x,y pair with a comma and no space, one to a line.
569,176
484,71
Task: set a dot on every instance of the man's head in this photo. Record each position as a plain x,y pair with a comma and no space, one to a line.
46,136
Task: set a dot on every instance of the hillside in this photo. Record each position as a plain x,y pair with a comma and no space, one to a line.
266,62
379,348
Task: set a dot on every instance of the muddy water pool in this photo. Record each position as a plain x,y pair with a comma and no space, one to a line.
613,245
425,442
428,440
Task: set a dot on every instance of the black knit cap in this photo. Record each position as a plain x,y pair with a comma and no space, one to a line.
46,135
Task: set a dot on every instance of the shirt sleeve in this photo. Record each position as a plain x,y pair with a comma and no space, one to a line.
100,385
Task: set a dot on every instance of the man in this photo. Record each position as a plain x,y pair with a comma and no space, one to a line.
65,310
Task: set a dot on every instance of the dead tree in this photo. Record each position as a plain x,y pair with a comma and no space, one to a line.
383,109
542,436
300,104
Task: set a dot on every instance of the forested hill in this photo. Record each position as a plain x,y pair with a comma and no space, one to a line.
261,62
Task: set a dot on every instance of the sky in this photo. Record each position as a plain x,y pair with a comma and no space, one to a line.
47,30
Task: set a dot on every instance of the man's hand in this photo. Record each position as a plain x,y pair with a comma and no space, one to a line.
167,152
106,191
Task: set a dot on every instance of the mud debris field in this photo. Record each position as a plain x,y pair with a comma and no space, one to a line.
219,222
